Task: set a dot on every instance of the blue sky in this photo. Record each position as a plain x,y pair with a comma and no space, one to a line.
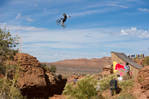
95,28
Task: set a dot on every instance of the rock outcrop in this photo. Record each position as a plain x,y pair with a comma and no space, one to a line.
1,75
58,97
73,77
26,60
31,78
107,70
143,79
140,61
35,81
57,84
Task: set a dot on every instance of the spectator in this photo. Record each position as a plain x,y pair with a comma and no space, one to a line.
127,68
113,86
119,78
75,79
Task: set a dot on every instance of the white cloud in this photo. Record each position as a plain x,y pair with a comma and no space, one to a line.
49,55
33,34
18,16
45,54
49,2
143,9
29,19
54,45
123,32
109,4
133,31
116,5
83,13
107,7
145,34
59,44
23,28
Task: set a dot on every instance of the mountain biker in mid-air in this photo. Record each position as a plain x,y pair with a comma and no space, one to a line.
61,21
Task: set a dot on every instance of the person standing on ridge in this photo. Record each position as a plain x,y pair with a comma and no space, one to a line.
127,68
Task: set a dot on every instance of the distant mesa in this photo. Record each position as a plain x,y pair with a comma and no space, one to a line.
82,65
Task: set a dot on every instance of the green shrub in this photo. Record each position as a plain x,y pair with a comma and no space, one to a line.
45,67
126,84
85,88
53,68
7,45
126,96
9,91
8,86
104,82
2,69
146,61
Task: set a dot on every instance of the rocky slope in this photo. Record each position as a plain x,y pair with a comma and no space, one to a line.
143,79
34,81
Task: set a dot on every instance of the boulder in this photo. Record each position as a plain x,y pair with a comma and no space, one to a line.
107,70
